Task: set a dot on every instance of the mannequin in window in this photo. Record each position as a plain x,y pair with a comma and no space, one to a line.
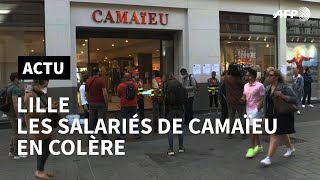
298,59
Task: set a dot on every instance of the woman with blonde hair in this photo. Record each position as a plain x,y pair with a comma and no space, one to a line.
285,120
37,91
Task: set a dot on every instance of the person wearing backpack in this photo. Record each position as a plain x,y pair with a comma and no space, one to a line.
127,92
97,95
190,83
175,96
14,91
157,100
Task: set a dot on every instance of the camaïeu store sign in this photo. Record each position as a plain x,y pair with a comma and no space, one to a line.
126,17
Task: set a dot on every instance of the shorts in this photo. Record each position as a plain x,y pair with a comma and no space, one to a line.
254,114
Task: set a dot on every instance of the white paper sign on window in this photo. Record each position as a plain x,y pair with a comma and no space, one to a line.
206,69
197,69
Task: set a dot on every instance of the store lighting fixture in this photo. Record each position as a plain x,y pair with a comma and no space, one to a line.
228,42
229,37
292,39
32,50
129,55
98,49
4,11
43,40
305,39
127,41
267,45
157,50
257,38
106,58
86,40
83,44
112,45
312,41
265,38
249,38
239,37
297,39
81,52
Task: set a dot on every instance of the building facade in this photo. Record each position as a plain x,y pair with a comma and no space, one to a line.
199,35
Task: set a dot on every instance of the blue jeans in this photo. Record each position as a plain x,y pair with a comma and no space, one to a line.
97,111
127,113
171,114
157,112
188,110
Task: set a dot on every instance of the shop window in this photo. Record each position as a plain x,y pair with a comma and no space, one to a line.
303,45
14,43
247,39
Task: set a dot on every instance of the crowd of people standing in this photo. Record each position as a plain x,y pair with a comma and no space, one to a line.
238,91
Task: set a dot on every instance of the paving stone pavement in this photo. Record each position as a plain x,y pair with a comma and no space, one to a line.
207,157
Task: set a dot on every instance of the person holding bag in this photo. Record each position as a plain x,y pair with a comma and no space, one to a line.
38,91
280,103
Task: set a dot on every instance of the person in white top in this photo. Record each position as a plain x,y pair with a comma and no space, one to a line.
83,96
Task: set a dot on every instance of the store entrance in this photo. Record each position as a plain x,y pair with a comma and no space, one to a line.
118,52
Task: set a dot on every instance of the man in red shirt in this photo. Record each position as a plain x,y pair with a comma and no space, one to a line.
97,98
128,99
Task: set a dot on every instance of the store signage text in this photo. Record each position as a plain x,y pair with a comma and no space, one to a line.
125,17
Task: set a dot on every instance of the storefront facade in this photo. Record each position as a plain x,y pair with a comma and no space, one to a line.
200,32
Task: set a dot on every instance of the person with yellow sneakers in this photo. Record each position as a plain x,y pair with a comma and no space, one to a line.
253,95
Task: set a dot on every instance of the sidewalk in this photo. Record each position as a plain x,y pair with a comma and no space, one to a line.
207,157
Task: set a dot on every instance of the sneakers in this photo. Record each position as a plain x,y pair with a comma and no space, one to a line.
310,105
303,106
182,149
251,153
258,149
170,152
266,161
298,112
19,157
289,152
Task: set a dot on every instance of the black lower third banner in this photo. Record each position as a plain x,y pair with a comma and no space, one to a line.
44,67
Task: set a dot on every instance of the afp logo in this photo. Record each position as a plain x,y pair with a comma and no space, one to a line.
44,67
303,13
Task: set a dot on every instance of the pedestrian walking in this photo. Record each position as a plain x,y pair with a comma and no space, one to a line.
234,82
37,91
213,89
189,82
298,87
307,87
285,120
14,91
98,100
253,96
157,99
83,96
175,96
127,92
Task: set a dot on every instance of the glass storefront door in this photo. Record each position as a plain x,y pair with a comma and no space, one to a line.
117,56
